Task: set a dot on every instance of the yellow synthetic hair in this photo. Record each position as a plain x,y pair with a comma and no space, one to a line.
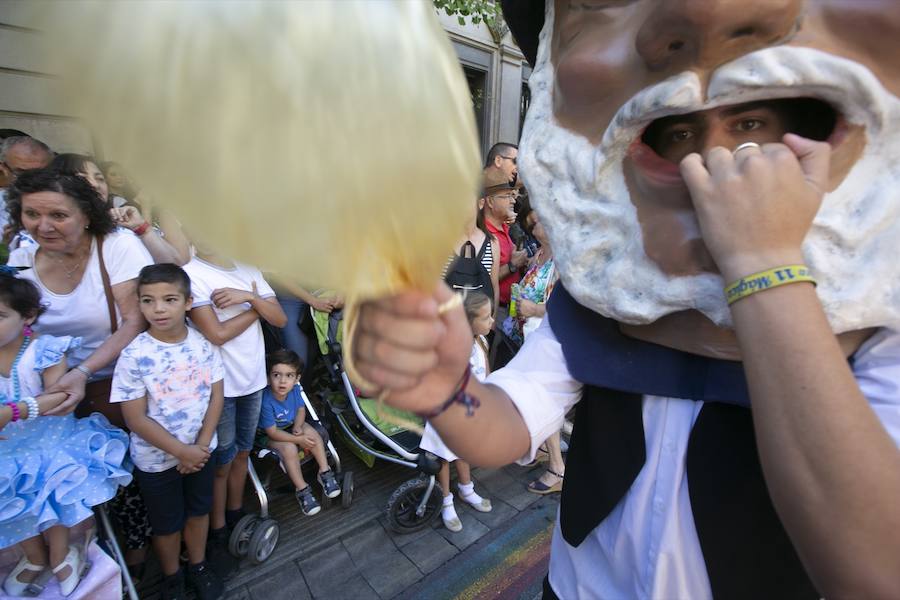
332,142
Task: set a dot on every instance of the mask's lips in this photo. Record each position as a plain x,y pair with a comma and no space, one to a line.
664,172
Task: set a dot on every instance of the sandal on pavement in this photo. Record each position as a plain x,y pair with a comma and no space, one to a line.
539,487
77,569
477,502
14,587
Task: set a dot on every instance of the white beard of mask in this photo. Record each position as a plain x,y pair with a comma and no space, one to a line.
579,191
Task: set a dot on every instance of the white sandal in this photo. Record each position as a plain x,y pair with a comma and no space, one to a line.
14,587
450,518
75,560
481,504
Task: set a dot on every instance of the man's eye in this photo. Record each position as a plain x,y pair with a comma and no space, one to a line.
745,125
681,135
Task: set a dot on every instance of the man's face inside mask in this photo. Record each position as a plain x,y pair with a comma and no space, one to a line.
624,90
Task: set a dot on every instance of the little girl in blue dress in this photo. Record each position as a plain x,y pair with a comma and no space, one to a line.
53,469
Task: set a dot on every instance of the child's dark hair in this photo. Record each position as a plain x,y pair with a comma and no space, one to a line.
474,301
165,273
284,356
20,295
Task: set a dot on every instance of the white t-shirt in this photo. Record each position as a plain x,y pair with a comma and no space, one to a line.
647,547
177,380
83,312
245,355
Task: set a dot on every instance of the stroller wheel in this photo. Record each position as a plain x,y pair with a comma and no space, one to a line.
263,541
401,509
239,541
347,490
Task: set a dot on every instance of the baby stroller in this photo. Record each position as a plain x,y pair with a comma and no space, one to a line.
256,536
414,504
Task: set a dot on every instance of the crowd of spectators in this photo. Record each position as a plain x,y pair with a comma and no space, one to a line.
109,278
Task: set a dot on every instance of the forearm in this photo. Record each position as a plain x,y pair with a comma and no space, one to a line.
210,420
161,250
6,413
299,418
278,435
110,349
220,332
831,468
154,434
297,291
270,311
495,435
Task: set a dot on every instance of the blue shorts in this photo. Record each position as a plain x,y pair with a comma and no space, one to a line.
172,498
237,426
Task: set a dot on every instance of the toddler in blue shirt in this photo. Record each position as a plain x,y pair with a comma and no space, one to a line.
283,418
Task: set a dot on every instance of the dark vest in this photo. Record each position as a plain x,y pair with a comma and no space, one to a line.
747,552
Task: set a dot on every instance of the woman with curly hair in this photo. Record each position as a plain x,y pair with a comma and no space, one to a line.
86,270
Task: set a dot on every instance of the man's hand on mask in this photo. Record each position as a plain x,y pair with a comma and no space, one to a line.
756,207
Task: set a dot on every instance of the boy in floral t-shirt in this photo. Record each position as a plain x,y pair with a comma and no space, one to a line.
169,381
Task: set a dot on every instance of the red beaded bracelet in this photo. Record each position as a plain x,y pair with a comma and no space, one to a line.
459,397
16,413
141,229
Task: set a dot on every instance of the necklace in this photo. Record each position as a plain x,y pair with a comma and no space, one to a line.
14,370
70,272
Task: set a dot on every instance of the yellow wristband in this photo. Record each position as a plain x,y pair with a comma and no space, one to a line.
764,280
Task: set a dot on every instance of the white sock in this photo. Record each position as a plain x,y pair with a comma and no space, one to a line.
448,512
467,493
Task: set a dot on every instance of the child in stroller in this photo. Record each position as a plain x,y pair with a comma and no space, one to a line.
283,420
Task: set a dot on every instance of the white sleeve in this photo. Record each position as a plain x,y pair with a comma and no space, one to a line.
540,385
201,290
262,286
877,371
124,256
127,381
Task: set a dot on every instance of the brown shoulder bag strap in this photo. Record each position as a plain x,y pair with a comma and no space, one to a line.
107,288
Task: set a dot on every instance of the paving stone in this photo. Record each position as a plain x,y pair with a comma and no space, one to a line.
286,582
501,513
379,561
517,495
402,539
329,571
471,532
240,593
429,551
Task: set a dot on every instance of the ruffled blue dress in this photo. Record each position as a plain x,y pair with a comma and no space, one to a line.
54,469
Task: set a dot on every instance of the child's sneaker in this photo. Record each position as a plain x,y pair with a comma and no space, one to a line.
329,484
308,503
206,584
173,587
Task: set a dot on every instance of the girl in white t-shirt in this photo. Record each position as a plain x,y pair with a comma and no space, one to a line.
479,311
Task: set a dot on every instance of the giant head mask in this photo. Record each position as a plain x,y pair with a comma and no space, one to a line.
622,90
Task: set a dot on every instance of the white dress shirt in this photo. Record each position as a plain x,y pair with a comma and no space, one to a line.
647,547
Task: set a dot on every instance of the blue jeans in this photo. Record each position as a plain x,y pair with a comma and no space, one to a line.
237,426
291,336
